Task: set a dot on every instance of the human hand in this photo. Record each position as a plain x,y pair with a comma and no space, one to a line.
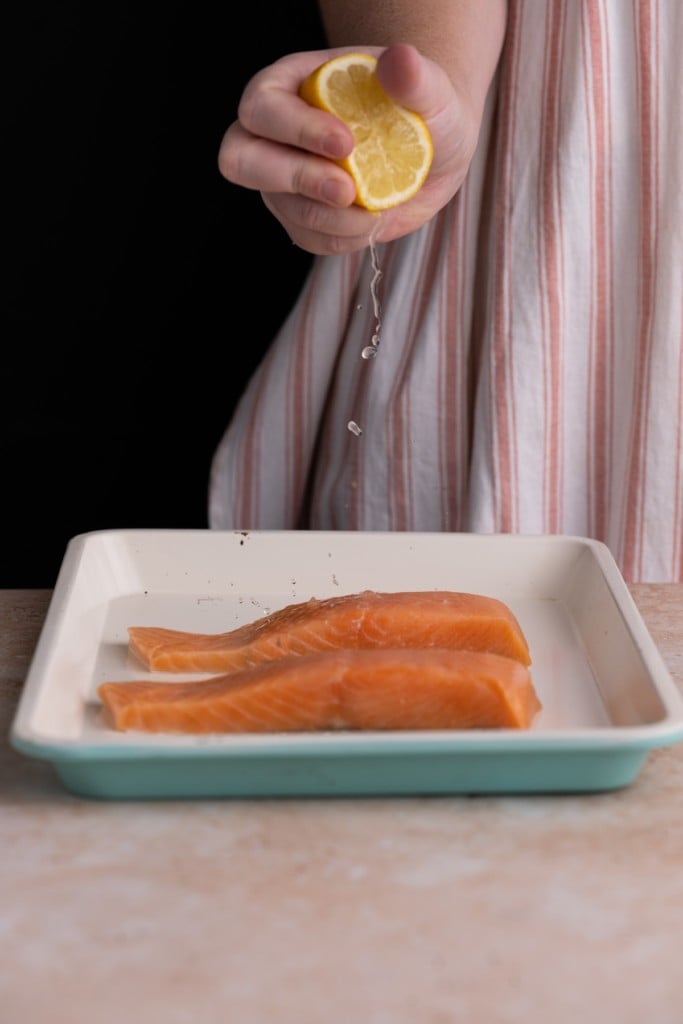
284,148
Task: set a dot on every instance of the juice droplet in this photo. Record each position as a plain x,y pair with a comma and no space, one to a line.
369,352
354,428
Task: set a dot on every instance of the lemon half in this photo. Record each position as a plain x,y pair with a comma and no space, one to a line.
393,148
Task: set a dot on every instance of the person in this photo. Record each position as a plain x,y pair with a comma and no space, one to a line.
529,375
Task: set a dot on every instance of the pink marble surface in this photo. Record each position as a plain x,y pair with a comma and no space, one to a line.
380,911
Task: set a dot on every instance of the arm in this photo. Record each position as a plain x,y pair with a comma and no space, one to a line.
282,147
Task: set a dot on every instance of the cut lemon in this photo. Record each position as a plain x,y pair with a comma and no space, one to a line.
393,148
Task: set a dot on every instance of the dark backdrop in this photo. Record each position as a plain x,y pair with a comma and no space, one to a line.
142,288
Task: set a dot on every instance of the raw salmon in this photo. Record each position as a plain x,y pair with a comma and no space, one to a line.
380,689
369,619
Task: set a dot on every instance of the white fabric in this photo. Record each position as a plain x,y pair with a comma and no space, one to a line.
529,376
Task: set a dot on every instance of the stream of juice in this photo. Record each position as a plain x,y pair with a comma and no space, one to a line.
370,351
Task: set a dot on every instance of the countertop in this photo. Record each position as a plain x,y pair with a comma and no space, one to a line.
378,911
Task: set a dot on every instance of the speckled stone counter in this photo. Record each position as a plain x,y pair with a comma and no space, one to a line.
544,909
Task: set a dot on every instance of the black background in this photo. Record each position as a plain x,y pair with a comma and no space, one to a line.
142,288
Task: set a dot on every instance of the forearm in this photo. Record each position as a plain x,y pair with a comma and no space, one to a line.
463,36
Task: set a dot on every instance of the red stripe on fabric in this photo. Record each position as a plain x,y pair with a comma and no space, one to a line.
602,299
247,479
329,452
647,54
298,413
505,511
398,402
453,331
550,269
397,487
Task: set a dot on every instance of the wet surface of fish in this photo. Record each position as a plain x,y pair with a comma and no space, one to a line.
356,689
367,620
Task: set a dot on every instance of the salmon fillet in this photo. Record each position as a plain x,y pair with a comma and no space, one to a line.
446,619
380,689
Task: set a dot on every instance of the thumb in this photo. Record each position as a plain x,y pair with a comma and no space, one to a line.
413,80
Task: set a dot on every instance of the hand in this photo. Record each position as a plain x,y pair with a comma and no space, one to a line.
285,149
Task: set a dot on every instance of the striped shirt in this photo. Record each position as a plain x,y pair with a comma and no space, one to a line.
529,372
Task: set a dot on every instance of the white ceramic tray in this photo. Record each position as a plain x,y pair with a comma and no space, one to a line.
607,696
